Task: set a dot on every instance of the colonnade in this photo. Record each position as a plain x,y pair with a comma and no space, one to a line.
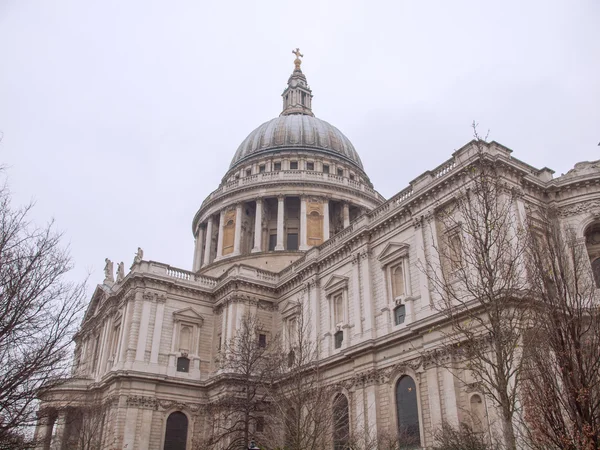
309,226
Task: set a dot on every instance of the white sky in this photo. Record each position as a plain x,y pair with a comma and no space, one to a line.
120,117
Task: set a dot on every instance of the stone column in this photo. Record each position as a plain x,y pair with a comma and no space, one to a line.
208,241
325,219
280,207
220,237
258,226
237,240
346,214
199,241
59,430
303,230
158,321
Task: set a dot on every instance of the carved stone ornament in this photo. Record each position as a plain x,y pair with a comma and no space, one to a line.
142,402
592,206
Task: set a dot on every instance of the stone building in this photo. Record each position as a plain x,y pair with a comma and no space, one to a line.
295,219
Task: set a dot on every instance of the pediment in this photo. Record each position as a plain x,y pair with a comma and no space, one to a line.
292,308
392,252
335,282
97,297
188,315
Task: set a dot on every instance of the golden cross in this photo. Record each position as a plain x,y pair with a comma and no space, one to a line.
297,53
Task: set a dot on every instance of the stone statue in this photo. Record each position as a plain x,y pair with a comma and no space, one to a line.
120,272
138,256
108,271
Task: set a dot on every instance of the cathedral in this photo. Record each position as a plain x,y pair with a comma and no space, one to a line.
295,220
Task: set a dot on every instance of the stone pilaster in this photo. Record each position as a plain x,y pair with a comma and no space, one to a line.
158,325
367,294
143,331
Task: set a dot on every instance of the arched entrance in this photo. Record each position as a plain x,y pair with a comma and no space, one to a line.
176,431
409,435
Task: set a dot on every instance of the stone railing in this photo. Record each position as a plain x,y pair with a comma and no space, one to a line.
168,271
287,175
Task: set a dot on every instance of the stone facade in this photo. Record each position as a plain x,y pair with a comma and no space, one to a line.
295,223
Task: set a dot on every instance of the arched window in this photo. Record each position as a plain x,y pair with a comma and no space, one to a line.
185,339
398,281
176,432
341,422
477,413
408,413
596,271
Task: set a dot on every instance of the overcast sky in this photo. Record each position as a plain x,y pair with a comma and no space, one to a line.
120,117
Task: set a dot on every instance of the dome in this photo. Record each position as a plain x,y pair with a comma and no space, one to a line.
297,131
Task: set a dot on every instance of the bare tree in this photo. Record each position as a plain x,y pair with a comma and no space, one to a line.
562,386
480,290
242,411
301,397
40,311
463,438
84,425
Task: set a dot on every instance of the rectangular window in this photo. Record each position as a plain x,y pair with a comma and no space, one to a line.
293,165
310,166
272,242
277,166
248,172
455,251
325,168
260,424
183,364
339,338
261,168
399,314
262,340
352,176
292,241
340,172
219,343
